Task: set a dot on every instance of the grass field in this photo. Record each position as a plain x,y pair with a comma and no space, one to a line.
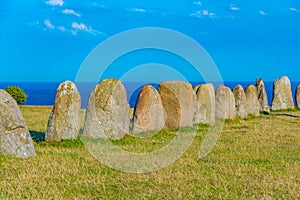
258,158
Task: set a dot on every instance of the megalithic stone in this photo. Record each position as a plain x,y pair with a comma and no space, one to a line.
282,94
252,100
205,104
240,102
298,96
107,115
64,119
15,139
262,95
149,114
179,101
225,103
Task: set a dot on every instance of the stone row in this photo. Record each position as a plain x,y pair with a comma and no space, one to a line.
176,104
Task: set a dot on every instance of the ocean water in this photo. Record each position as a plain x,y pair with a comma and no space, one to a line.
43,94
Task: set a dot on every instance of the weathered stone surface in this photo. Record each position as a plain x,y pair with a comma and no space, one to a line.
282,94
15,139
225,103
64,119
252,100
298,96
179,101
205,104
240,102
149,112
262,95
107,114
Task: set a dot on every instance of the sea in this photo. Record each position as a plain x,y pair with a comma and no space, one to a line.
43,94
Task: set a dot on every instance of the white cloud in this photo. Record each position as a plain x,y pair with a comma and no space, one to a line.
82,27
55,2
262,12
36,23
205,12
94,4
137,10
198,14
202,13
62,28
234,8
70,12
197,3
48,24
212,15
294,10
73,32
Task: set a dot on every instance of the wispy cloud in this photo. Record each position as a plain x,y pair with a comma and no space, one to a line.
205,12
48,24
71,12
294,10
35,23
95,4
62,28
262,12
198,14
55,2
142,10
212,14
202,13
84,28
197,3
234,8
79,26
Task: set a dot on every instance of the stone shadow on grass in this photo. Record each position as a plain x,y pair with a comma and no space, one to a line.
37,136
287,115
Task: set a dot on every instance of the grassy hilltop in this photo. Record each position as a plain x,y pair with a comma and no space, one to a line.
257,158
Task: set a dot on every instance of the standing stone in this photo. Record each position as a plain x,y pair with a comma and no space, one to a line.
149,112
225,103
107,114
15,139
205,104
262,96
240,102
282,94
298,96
64,120
252,100
179,101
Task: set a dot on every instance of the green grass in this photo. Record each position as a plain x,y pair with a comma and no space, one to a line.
257,158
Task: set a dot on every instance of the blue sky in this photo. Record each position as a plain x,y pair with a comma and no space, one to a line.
48,40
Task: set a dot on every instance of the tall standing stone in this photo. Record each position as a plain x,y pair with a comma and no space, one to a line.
252,100
225,103
179,101
64,119
149,112
298,96
262,95
282,94
107,114
205,104
240,102
15,139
